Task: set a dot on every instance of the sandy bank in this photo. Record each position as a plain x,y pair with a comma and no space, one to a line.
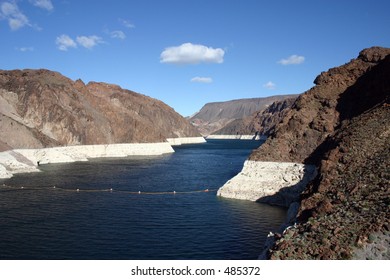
27,160
238,137
185,140
278,183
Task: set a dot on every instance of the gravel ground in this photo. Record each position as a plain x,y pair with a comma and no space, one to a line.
376,248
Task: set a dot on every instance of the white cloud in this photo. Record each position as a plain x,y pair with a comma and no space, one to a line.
127,23
293,59
191,54
43,4
16,19
269,85
89,41
204,80
8,9
118,34
25,49
64,42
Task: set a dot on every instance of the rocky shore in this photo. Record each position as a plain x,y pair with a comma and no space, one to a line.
344,213
340,126
237,137
277,183
46,117
185,140
28,160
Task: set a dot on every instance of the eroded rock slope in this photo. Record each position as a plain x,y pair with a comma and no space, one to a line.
317,113
342,126
261,122
213,116
42,108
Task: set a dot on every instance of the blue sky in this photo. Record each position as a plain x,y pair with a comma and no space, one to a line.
188,53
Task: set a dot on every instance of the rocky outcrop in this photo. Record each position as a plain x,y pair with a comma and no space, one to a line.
41,108
274,183
260,123
318,112
214,116
185,140
346,209
345,212
341,126
28,160
236,137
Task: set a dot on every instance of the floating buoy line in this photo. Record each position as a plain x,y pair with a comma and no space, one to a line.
110,190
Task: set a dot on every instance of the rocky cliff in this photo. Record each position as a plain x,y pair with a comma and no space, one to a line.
261,122
214,116
342,126
317,113
345,211
41,108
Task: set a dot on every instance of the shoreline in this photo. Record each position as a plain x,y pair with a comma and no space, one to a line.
186,140
237,137
28,160
273,183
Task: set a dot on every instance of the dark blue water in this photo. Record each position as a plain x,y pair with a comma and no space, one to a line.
39,221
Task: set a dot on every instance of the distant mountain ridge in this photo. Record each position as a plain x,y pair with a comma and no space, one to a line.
261,122
42,108
213,116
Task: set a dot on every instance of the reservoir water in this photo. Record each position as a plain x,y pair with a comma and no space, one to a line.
43,216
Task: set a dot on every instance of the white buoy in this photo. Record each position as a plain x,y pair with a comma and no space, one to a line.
174,192
139,192
77,190
111,190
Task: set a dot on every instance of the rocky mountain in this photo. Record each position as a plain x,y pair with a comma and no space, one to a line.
41,108
318,112
345,213
261,122
342,126
214,116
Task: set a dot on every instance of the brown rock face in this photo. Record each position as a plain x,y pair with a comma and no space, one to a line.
40,108
347,204
216,115
318,112
349,201
261,122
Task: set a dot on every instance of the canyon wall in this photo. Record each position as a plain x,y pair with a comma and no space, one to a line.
341,128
